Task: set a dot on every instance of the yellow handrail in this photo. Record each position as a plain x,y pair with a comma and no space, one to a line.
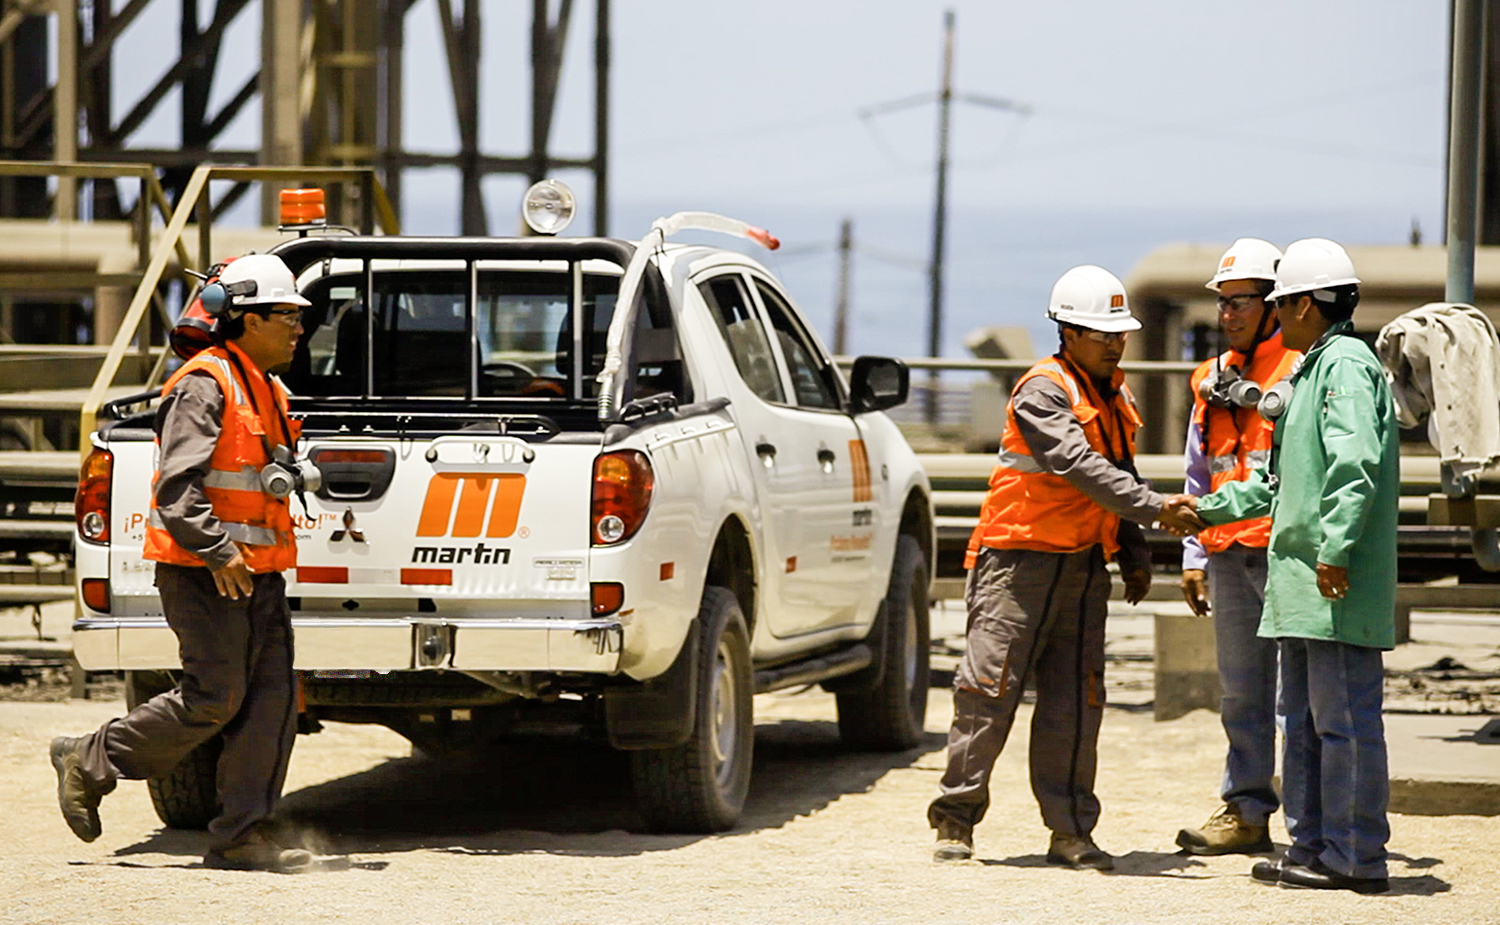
151,188
171,239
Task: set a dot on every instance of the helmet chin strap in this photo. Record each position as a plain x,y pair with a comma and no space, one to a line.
1261,336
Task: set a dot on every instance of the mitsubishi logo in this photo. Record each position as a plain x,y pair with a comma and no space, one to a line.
353,534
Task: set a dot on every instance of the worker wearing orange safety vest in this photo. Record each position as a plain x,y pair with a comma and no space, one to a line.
221,533
1064,498
253,422
1225,565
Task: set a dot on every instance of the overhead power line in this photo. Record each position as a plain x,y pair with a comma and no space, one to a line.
944,99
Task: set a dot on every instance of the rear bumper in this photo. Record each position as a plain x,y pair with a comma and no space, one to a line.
381,644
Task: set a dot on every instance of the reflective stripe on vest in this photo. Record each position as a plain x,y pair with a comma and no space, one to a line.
1018,462
247,479
1255,459
240,533
239,393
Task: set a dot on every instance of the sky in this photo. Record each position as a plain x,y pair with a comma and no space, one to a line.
1149,123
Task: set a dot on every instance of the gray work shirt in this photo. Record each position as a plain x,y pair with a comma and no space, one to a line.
1044,415
188,422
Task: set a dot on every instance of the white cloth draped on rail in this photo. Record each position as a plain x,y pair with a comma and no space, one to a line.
1443,363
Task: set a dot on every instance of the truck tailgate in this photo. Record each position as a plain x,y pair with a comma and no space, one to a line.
481,525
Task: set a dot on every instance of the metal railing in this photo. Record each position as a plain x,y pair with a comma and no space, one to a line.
151,193
194,201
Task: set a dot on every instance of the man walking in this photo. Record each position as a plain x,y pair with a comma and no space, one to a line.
1063,499
1331,490
1228,440
221,541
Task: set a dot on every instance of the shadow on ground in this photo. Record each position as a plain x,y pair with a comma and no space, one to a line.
1133,864
551,796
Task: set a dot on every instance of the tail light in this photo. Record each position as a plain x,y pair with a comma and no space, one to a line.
91,504
96,594
606,597
622,493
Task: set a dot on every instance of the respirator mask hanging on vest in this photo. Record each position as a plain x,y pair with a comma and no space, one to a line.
1274,402
286,474
1225,387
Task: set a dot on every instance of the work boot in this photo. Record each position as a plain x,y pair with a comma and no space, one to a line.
1318,876
1226,832
1078,851
955,842
1267,871
258,850
78,800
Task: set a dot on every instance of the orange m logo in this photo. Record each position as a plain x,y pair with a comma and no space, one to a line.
859,466
438,513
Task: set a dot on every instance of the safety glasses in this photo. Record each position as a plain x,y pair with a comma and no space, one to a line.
1238,303
1107,337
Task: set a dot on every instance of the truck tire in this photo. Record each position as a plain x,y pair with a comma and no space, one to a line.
700,785
891,714
187,797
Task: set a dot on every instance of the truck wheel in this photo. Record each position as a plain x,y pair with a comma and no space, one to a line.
187,797
700,785
891,714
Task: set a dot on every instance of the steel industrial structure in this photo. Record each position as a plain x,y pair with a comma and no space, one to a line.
329,85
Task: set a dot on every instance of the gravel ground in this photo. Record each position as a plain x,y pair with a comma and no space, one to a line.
547,833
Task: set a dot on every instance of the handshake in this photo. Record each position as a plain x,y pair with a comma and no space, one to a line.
1179,515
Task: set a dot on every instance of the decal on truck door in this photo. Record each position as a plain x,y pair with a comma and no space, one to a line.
859,465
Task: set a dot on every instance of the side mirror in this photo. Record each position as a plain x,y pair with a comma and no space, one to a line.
878,383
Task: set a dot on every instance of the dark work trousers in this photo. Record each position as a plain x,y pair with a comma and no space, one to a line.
236,680
1038,618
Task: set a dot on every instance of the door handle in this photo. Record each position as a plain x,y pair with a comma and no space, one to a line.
767,453
826,459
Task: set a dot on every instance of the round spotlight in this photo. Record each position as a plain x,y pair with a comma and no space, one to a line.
548,207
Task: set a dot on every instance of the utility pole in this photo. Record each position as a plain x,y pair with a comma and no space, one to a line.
939,219
945,98
1465,89
841,301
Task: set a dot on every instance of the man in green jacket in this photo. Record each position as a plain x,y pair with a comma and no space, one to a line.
1331,491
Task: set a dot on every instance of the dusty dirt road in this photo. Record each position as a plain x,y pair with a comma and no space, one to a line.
548,834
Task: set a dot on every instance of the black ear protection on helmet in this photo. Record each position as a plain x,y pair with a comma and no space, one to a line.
217,296
195,329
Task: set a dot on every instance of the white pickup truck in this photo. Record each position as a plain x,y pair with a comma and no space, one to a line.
576,486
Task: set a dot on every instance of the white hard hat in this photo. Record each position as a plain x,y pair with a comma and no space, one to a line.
1091,297
1247,258
1312,264
273,282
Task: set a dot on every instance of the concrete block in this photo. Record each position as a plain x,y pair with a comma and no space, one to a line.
1187,669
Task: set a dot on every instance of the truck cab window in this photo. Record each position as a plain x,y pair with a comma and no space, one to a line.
729,304
523,340
814,379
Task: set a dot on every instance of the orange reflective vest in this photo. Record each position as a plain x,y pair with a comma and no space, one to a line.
1237,441
1029,508
259,523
